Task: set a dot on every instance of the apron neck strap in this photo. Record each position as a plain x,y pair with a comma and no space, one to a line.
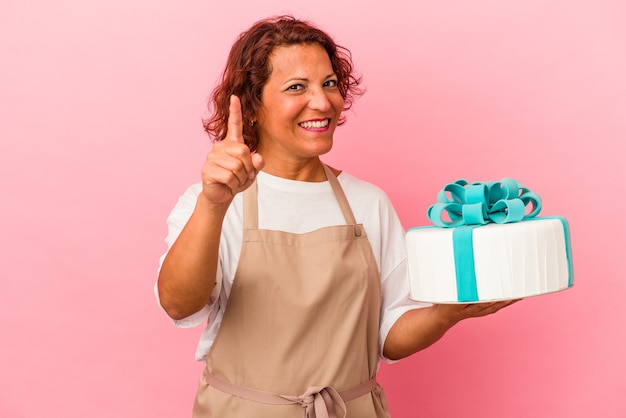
250,207
340,196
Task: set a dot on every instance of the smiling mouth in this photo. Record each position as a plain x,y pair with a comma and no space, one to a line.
318,124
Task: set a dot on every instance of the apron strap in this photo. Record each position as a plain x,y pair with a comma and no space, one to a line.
317,401
250,207
340,195
250,202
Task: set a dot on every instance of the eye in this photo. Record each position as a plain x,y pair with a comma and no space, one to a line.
331,83
295,87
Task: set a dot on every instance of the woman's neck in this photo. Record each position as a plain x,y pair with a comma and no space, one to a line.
310,170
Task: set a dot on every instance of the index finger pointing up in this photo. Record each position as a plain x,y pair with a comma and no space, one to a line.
235,124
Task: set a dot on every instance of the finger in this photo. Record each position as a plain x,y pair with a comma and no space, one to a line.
258,163
233,155
235,124
243,162
237,168
223,177
229,167
500,305
510,302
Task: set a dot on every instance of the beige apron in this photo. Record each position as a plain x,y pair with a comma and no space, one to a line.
299,336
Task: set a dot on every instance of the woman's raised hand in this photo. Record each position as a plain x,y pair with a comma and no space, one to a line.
230,167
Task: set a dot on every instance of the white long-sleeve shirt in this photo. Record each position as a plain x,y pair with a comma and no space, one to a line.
299,207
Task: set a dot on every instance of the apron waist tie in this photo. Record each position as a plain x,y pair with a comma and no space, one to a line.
317,401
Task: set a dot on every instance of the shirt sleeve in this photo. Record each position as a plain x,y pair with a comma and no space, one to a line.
396,302
176,221
394,274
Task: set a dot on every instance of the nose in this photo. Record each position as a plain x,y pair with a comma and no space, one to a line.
319,100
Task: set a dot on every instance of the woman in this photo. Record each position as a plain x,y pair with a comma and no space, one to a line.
298,268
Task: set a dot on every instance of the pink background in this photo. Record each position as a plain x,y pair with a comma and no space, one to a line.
101,104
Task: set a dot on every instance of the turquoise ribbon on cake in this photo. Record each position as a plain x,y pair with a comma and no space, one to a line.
480,203
470,206
465,270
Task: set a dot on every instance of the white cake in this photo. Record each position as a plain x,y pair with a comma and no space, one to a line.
490,261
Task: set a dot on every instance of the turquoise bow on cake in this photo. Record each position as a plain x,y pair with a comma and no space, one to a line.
480,203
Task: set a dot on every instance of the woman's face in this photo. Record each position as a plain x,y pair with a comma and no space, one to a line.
300,104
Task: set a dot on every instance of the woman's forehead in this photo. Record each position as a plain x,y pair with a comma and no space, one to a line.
299,61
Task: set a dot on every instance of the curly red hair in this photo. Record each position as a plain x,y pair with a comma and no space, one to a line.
247,70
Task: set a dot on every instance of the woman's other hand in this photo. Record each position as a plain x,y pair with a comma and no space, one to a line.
457,312
420,328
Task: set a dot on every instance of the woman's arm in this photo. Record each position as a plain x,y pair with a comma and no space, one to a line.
188,273
187,276
417,329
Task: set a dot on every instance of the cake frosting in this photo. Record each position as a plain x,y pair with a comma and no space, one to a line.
487,244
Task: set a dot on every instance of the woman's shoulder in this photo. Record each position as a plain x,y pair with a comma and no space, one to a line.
353,185
188,199
192,191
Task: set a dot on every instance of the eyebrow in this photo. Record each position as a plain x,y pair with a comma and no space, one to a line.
306,79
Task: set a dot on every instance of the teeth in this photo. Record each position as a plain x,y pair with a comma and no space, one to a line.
315,125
